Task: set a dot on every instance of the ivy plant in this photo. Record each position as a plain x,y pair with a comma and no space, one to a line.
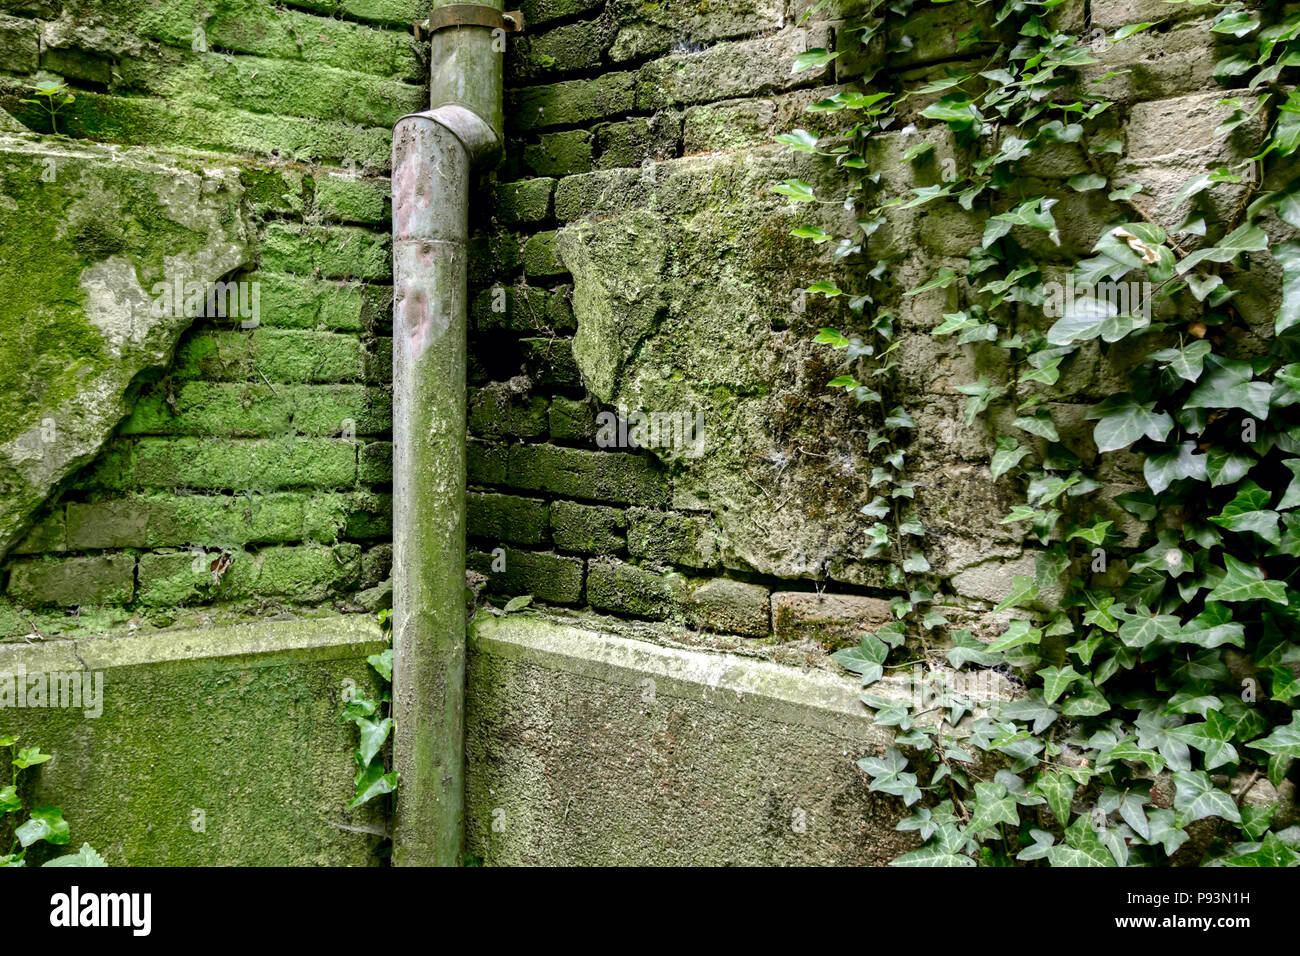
43,824
374,726
1147,701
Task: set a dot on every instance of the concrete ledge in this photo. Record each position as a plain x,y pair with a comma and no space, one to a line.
216,746
593,749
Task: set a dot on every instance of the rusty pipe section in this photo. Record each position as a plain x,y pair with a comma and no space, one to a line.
435,154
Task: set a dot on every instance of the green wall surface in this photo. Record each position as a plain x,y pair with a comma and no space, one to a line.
218,746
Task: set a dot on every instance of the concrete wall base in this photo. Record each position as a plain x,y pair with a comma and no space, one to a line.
593,749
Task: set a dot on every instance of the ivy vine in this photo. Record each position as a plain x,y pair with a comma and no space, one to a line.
1161,685
374,726
43,824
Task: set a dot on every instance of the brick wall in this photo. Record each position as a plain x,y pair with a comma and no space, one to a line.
601,100
253,474
595,87
241,448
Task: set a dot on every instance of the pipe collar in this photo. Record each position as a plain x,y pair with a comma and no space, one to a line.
481,143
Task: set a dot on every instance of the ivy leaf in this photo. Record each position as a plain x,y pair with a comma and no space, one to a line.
1033,213
1283,742
1165,831
1040,425
966,648
817,235
1227,467
1248,512
1202,287
888,776
1145,627
1055,682
955,109
1018,633
1291,497
372,782
1023,589
1271,852
932,855
1127,749
1093,534
867,659
892,633
1058,790
382,663
1009,454
1285,685
1162,470
1188,362
795,189
993,805
1245,238
1083,847
812,59
1235,21
46,824
1229,385
84,857
878,507
899,418
1210,736
9,799
1131,810
1086,182
1196,797
916,563
980,394
373,735
1031,708
1124,420
800,140
1042,843
1088,702
30,757
1288,314
1212,627
1202,183
1242,582
945,278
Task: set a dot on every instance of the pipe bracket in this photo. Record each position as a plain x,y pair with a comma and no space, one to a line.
471,15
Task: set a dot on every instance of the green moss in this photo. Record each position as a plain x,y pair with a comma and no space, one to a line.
240,723
52,232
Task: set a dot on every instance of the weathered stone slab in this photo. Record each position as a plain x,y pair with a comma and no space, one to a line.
686,296
219,746
86,235
593,749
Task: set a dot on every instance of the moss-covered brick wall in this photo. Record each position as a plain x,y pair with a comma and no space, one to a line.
631,256
553,511
251,475
627,254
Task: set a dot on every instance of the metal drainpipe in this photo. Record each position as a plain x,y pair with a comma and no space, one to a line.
434,156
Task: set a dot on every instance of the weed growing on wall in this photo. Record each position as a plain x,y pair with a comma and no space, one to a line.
1161,686
43,824
51,97
374,726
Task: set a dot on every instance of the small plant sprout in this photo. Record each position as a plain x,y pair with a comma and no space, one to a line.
51,97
